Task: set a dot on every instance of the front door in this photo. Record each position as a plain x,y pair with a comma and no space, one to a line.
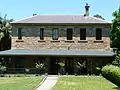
53,66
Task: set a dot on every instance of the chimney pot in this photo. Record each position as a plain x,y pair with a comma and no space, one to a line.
34,14
87,10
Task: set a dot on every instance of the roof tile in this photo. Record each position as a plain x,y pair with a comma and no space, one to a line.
61,19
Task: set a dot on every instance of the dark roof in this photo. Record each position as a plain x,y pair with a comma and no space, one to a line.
49,52
61,19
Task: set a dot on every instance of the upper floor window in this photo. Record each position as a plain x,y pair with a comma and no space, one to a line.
55,34
98,34
41,33
19,33
69,34
82,33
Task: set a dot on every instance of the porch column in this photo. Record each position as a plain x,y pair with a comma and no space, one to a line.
47,64
91,65
75,63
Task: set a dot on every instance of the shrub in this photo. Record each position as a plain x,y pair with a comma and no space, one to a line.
61,64
98,71
62,70
2,70
112,73
116,62
80,68
27,70
40,67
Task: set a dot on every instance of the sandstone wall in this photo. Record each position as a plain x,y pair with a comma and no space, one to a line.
31,39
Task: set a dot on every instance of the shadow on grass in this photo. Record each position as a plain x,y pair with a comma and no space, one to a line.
116,88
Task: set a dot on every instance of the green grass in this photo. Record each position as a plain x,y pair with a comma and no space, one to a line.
19,83
83,83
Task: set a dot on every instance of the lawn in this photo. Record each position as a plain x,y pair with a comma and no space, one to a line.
83,83
19,83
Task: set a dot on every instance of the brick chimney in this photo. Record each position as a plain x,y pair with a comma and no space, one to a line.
87,10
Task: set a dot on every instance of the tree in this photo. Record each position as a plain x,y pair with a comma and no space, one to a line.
99,16
115,30
5,33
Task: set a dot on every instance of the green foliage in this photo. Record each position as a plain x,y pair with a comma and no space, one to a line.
99,16
61,64
39,65
5,28
115,31
116,62
5,33
112,73
62,70
98,71
3,68
27,70
81,65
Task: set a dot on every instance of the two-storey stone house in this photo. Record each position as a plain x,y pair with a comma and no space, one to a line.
51,39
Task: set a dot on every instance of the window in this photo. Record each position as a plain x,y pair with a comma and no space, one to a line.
98,34
83,34
41,33
19,33
69,33
55,34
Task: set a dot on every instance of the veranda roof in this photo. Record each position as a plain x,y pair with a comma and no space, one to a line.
49,52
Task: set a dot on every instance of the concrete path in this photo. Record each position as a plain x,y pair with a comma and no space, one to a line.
48,83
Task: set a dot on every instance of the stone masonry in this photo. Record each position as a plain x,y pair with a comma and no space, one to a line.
31,38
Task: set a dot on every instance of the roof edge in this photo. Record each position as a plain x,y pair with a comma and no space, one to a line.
107,24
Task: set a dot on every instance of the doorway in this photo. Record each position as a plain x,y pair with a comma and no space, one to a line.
53,66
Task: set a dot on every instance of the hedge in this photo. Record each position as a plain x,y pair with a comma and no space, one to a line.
112,73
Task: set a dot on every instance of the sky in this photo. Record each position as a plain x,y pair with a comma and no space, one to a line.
19,9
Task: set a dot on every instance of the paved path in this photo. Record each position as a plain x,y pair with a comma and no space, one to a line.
48,83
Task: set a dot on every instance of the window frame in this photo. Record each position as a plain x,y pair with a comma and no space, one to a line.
41,33
55,33
67,34
20,33
98,33
83,34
